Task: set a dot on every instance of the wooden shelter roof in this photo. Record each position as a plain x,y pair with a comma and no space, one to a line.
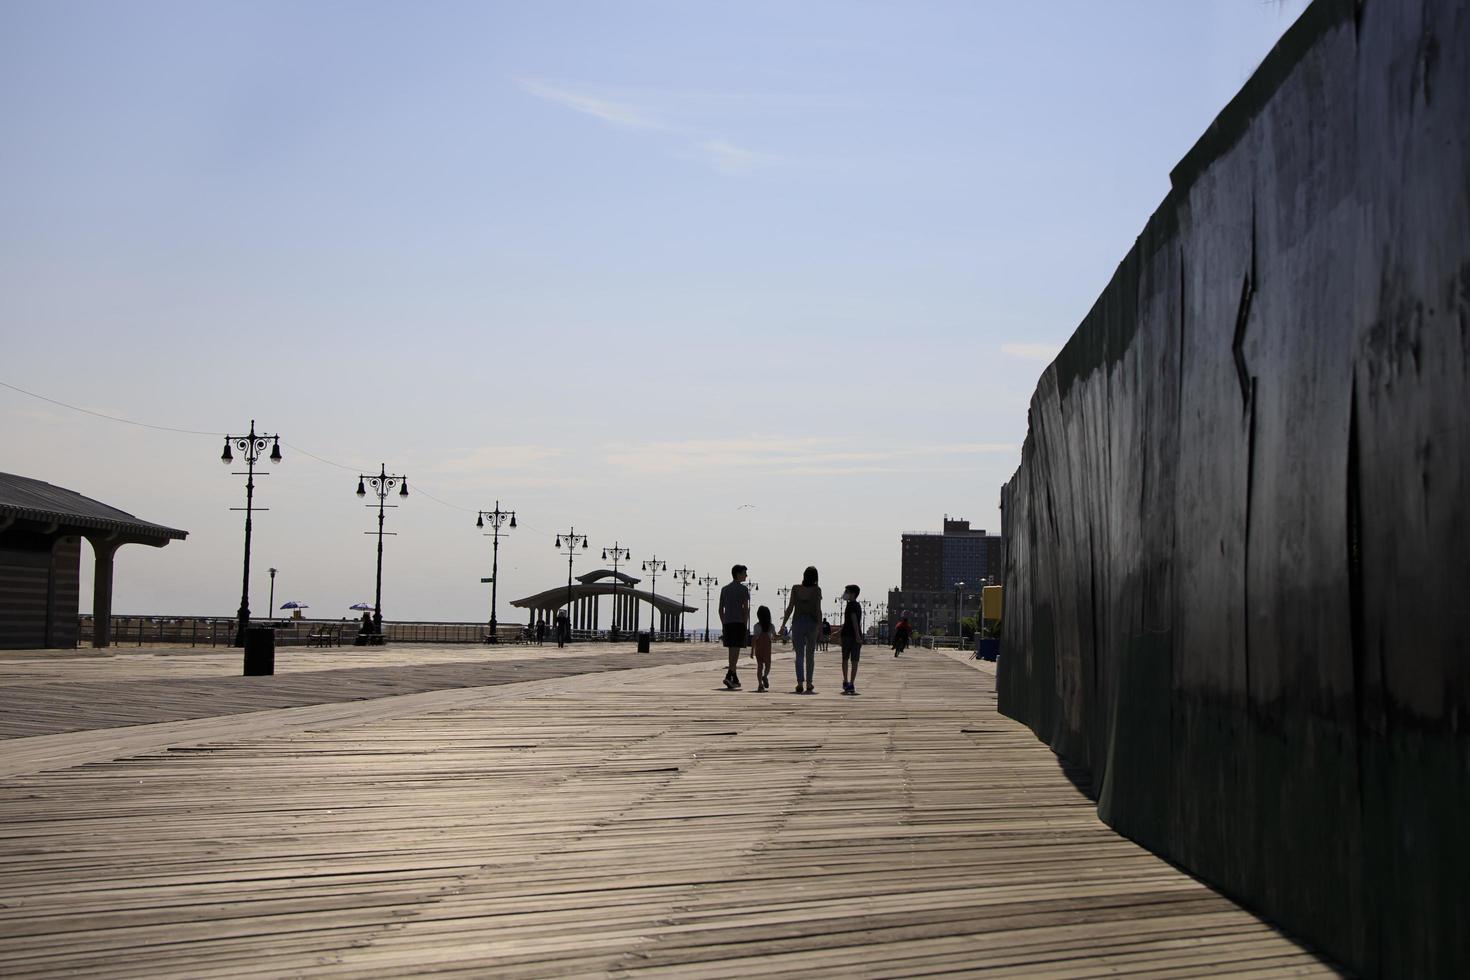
25,499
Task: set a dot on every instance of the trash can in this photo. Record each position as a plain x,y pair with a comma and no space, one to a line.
989,649
260,651
643,642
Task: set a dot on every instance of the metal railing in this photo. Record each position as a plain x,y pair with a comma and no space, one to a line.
219,631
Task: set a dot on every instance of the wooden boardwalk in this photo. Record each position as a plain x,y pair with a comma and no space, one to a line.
49,691
636,822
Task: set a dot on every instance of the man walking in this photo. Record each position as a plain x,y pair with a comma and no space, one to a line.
852,638
735,621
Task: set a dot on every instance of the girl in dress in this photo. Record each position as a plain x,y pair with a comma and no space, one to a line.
760,647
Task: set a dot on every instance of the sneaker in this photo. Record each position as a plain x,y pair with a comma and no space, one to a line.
734,683
810,689
799,690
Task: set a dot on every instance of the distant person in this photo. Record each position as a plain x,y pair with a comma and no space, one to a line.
563,629
901,631
366,627
760,647
825,637
540,630
735,620
852,638
804,611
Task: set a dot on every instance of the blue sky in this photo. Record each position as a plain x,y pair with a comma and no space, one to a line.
759,282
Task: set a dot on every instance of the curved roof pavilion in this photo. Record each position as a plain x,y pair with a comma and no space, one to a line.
583,597
557,597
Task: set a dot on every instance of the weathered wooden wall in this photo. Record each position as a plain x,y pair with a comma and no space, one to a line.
1239,555
38,589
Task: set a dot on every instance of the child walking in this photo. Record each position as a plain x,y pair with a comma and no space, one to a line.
760,647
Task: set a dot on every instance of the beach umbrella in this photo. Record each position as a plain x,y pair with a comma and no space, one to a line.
294,604
360,606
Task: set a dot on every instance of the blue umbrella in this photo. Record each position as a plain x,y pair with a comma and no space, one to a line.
294,604
360,606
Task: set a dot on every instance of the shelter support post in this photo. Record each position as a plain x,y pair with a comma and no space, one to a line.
102,592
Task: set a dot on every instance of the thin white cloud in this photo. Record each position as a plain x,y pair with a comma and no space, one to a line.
1032,352
607,110
727,158
720,154
497,459
786,457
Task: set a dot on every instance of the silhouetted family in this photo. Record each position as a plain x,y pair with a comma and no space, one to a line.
804,613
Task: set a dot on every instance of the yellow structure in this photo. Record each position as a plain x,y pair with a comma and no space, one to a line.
991,601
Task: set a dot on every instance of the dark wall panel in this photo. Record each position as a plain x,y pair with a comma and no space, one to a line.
38,590
1238,544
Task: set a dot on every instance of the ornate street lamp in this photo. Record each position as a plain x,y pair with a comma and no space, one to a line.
653,566
497,518
272,605
615,554
709,582
571,541
250,447
381,485
683,576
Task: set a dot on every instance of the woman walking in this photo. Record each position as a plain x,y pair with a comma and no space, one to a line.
806,604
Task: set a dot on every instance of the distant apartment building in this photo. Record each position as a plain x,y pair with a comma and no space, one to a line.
932,565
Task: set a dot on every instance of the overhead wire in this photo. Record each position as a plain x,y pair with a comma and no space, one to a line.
418,488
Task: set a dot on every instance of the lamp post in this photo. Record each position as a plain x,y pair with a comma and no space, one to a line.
709,582
958,588
382,485
653,566
250,446
683,576
497,518
615,554
572,540
272,605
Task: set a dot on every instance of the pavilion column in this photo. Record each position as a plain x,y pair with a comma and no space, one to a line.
102,592
636,613
596,612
